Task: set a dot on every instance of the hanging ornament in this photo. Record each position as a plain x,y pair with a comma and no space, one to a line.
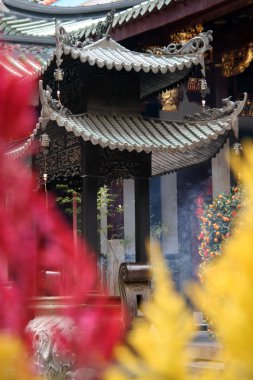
44,140
237,147
203,91
58,74
193,85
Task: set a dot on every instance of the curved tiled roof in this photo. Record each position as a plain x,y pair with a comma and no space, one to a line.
173,144
13,25
37,7
142,134
3,8
23,61
128,15
108,53
80,26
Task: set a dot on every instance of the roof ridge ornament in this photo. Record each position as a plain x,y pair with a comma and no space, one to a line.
50,104
59,36
198,44
65,38
103,28
230,107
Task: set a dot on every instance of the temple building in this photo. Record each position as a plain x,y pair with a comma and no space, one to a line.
129,108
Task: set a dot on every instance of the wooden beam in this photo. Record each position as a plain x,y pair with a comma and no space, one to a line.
179,12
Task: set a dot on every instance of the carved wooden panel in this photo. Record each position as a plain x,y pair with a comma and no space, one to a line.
62,158
115,164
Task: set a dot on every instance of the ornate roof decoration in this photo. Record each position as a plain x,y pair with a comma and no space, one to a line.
104,28
218,113
200,44
108,53
173,144
55,104
62,37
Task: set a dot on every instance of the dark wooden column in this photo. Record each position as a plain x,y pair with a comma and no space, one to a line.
142,218
220,86
89,210
142,207
89,194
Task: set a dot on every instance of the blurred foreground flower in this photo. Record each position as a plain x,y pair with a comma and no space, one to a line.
156,348
226,297
16,116
34,239
15,363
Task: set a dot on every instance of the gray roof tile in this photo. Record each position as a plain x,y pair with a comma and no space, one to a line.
173,144
80,28
108,53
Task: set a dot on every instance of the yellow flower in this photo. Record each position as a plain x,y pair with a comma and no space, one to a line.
159,341
15,363
226,297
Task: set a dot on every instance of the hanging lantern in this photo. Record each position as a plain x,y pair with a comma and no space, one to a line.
58,74
193,85
44,140
203,84
203,87
237,148
203,91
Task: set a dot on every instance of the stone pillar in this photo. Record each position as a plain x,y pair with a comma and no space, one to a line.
129,219
142,218
169,217
221,171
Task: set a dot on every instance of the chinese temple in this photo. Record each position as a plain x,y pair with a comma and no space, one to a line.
91,111
121,110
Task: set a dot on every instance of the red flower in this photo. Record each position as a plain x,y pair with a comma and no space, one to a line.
34,240
17,118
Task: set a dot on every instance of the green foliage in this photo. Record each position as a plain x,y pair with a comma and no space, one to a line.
105,200
105,203
158,229
65,198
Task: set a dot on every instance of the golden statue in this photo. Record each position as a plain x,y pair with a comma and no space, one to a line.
170,99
